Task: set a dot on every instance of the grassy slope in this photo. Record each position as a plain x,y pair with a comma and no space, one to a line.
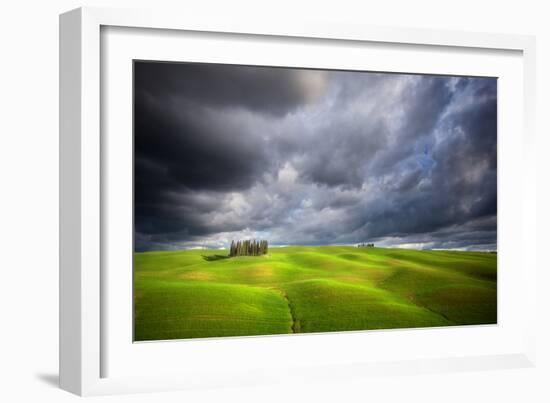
201,293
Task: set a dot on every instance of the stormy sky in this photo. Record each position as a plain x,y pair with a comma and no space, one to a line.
312,157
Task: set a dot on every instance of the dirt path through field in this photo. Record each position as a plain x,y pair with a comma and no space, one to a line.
295,326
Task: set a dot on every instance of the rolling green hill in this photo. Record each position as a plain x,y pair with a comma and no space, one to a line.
203,293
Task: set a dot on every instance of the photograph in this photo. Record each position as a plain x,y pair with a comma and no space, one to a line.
283,200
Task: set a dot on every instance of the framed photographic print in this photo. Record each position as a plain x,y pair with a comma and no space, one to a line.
257,196
274,200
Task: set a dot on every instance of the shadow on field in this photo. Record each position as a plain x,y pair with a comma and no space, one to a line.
213,258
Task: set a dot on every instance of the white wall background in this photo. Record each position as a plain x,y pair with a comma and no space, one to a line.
29,201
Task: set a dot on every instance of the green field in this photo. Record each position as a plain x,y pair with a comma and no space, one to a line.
203,293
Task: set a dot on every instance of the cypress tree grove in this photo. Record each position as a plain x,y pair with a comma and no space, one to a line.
248,248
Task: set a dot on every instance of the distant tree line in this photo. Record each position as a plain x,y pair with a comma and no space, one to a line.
248,248
365,245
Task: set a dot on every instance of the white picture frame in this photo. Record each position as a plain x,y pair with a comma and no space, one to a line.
83,310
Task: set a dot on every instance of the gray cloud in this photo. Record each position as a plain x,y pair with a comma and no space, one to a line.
312,157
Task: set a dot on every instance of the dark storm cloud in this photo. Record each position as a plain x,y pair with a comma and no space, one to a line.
312,157
461,183
274,91
196,148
